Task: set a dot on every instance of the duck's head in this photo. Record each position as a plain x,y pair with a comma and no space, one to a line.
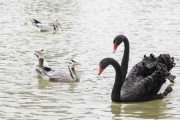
39,53
117,41
73,63
57,22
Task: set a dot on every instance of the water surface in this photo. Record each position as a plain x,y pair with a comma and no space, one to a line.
86,33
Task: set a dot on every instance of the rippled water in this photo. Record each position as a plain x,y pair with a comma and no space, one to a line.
86,33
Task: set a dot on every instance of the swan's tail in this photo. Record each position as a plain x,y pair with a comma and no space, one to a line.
162,58
167,60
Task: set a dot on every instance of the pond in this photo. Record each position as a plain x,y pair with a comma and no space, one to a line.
86,34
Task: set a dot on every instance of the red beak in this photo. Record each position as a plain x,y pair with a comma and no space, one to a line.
100,70
115,47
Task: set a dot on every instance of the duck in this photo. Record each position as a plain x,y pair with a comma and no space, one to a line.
52,75
46,28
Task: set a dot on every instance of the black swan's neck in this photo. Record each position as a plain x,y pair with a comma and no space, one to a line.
115,95
125,60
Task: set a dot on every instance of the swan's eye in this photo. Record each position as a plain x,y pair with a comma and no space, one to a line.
116,43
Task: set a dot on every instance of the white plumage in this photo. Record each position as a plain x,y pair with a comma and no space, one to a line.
53,75
46,28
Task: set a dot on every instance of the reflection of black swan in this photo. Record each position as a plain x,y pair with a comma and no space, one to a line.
139,88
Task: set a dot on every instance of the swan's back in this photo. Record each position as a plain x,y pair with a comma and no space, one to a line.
146,77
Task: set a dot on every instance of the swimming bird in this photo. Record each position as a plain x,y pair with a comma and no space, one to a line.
140,84
53,75
125,60
40,57
144,84
46,28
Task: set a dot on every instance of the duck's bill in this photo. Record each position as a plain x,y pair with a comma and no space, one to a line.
38,53
78,63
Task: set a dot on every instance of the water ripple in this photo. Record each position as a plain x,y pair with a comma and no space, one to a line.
86,33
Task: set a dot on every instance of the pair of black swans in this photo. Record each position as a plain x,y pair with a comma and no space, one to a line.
142,83
144,80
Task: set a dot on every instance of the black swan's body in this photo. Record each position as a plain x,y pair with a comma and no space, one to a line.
141,86
147,69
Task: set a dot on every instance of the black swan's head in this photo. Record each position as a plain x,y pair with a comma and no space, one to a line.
167,60
103,64
118,40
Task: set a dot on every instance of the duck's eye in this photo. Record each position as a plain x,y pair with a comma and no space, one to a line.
72,60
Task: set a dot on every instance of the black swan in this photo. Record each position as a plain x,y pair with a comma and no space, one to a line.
52,75
45,28
124,64
140,87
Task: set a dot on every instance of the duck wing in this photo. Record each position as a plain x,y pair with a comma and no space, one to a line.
43,28
35,21
59,76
